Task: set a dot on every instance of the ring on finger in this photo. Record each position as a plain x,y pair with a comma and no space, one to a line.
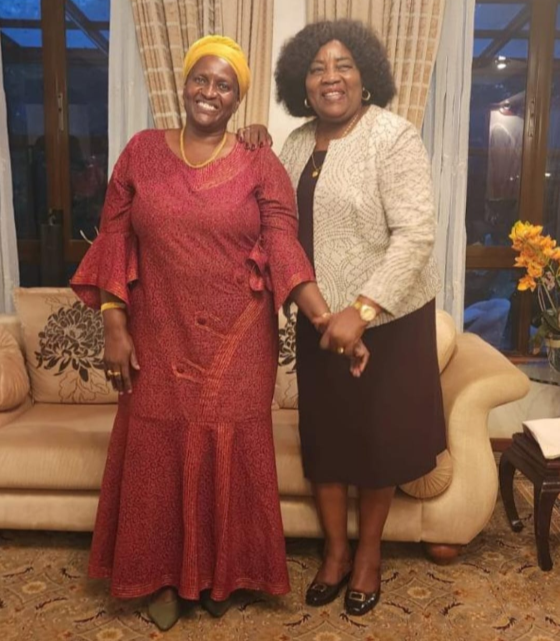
117,374
110,372
340,350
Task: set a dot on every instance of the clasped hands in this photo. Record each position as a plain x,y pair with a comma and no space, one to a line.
342,334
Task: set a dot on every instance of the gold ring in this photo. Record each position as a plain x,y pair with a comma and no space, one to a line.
116,374
110,372
340,350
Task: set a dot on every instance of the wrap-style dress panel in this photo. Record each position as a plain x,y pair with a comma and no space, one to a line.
204,258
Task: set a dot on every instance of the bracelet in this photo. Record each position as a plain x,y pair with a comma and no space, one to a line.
112,305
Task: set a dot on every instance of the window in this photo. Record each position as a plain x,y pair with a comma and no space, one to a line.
514,159
55,62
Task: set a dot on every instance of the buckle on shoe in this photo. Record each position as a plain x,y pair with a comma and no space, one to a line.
357,596
319,587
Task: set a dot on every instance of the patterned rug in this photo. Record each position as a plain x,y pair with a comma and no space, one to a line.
494,592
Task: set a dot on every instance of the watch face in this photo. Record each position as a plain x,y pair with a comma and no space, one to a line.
367,313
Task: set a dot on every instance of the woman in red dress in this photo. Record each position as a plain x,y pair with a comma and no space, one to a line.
197,251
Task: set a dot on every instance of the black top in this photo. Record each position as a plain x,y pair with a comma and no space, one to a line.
305,194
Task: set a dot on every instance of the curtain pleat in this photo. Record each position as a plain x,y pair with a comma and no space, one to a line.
9,268
129,103
250,23
446,135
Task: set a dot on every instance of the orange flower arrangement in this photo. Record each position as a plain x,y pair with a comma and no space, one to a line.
540,257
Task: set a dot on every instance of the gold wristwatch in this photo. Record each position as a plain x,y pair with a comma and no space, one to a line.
367,312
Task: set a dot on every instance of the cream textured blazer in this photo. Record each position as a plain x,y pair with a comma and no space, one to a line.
373,221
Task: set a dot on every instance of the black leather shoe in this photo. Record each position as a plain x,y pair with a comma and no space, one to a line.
358,603
319,594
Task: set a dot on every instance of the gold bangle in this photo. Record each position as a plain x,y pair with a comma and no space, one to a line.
112,305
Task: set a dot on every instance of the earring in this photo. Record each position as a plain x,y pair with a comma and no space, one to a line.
366,95
306,103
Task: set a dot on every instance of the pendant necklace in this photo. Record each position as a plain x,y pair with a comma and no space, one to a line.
317,169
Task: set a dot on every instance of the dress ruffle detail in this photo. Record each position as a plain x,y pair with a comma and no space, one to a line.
259,280
277,278
111,264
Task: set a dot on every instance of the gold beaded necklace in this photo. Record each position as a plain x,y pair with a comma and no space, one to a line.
317,169
213,156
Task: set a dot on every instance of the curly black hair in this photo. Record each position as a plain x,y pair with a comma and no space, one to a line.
298,53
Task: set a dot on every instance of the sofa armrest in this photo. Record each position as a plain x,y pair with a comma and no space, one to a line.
14,380
8,416
477,379
478,376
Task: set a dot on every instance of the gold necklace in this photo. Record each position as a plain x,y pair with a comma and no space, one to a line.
317,170
213,157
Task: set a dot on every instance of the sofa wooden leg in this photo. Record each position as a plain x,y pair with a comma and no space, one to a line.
442,553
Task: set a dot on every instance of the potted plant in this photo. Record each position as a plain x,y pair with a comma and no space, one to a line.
540,257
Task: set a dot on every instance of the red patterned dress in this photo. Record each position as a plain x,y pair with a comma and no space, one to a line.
204,258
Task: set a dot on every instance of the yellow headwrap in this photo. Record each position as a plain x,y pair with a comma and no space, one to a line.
225,48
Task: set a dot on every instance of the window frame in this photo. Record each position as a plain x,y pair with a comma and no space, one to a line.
542,36
53,25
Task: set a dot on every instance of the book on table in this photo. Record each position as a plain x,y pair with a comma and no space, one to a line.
546,432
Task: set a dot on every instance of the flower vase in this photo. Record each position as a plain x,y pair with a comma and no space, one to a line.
553,352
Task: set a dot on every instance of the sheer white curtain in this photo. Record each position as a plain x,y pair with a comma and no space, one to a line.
446,135
9,270
129,105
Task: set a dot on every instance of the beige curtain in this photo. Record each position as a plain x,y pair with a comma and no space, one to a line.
250,22
410,30
166,28
368,11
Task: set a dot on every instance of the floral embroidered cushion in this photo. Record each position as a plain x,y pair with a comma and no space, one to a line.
63,342
14,382
285,390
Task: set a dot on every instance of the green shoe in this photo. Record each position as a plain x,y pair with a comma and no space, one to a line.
165,614
215,608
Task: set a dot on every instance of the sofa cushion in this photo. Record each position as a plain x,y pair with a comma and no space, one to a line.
63,342
11,324
435,482
291,481
56,447
14,382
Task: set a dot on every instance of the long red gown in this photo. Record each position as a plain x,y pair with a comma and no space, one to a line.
204,258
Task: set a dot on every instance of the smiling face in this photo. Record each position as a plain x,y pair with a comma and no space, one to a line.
334,83
211,93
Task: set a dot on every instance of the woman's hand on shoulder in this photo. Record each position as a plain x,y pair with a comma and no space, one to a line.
119,356
254,136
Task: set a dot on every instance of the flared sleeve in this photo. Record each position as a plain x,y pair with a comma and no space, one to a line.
278,257
111,263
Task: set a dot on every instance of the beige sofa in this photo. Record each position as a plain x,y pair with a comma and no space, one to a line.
57,412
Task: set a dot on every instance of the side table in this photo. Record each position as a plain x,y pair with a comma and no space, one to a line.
524,454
